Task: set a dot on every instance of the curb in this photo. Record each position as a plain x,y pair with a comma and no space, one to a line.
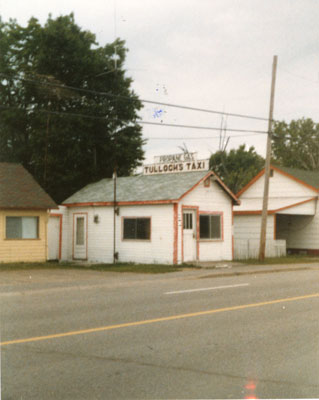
254,272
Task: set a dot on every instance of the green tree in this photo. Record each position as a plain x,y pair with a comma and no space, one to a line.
66,137
297,144
236,167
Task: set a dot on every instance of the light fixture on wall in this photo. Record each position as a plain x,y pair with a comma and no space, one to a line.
96,219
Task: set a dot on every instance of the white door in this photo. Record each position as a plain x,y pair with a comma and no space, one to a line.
80,237
54,238
189,235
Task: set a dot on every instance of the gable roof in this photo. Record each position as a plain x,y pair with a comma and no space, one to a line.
306,178
310,178
164,188
18,189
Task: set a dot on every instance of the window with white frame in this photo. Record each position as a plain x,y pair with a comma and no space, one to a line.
22,227
210,226
136,228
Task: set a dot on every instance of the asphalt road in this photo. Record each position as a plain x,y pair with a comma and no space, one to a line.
94,335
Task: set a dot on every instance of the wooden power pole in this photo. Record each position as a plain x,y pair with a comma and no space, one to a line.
263,228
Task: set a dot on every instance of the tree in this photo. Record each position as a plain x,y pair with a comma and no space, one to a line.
297,144
64,136
236,167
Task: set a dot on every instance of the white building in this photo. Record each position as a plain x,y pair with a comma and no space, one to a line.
157,218
293,213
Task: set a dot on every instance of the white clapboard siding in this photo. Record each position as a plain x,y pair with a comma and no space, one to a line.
53,238
162,247
300,231
248,227
249,248
159,249
296,209
280,186
211,199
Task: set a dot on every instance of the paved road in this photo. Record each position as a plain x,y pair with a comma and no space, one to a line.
93,335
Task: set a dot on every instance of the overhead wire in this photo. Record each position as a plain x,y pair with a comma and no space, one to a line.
137,121
201,127
107,94
200,137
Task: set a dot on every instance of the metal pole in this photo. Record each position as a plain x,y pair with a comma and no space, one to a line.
263,228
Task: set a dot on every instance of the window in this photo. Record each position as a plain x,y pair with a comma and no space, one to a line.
22,227
137,228
210,226
79,231
187,221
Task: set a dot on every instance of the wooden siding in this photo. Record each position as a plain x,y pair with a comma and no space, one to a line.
296,207
249,248
23,250
212,199
165,244
248,227
160,247
300,232
279,186
100,235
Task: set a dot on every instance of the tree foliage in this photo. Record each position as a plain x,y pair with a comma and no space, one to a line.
65,137
297,144
236,167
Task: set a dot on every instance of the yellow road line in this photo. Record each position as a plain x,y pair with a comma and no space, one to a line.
162,319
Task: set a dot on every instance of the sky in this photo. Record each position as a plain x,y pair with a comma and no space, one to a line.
208,54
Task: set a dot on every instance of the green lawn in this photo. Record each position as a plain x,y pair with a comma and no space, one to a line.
119,267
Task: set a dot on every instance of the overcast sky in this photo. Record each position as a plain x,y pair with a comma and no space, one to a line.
212,54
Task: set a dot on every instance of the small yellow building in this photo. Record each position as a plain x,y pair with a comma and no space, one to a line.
24,213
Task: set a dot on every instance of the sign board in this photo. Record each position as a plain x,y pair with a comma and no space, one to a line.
175,158
173,167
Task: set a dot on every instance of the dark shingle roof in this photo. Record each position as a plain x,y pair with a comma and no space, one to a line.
18,189
309,177
139,188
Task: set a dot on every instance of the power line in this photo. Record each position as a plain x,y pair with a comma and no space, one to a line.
52,112
201,127
299,76
200,137
89,91
138,122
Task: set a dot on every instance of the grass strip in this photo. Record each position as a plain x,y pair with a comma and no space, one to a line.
118,267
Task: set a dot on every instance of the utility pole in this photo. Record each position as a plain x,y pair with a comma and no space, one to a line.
114,214
263,228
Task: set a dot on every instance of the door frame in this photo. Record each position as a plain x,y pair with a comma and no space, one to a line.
75,216
60,216
196,222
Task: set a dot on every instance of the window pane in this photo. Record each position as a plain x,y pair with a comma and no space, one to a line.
30,227
204,226
80,231
137,228
215,228
22,227
187,221
143,228
13,227
210,226
129,228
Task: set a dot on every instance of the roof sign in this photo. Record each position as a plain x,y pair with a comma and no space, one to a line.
173,158
173,167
